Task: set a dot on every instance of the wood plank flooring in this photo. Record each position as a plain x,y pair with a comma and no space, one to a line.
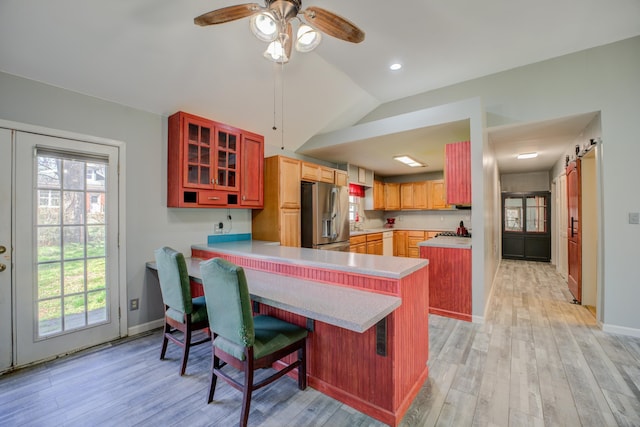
537,361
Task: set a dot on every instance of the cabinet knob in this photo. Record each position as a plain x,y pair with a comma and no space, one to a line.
244,197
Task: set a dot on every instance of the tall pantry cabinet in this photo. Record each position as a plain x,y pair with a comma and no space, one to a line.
281,203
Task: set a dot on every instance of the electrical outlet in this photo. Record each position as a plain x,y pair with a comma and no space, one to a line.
134,304
634,217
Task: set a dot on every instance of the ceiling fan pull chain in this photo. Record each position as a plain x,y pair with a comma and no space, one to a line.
282,104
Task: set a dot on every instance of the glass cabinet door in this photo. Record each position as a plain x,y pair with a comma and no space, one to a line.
227,144
198,147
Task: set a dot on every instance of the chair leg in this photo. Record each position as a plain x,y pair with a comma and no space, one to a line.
185,350
246,393
302,368
165,340
213,378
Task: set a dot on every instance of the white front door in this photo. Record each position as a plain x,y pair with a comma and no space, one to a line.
66,257
5,250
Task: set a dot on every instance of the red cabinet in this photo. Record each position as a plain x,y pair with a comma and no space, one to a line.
211,164
457,173
449,281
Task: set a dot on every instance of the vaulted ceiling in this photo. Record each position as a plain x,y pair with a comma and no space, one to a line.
148,54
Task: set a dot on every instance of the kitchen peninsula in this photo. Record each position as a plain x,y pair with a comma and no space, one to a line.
378,371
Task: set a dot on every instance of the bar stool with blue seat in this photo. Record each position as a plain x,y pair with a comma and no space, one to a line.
182,312
243,341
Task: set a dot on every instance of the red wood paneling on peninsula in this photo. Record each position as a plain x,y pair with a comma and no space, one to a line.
344,364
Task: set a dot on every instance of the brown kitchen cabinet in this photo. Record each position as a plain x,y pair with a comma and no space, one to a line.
313,172
437,194
341,178
279,220
391,196
358,244
374,244
378,195
413,238
205,166
400,243
457,173
413,195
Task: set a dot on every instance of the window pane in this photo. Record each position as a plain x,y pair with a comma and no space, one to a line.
96,274
49,283
73,175
49,172
96,208
97,306
513,214
73,277
73,242
73,209
49,245
96,176
96,240
49,317
48,207
74,312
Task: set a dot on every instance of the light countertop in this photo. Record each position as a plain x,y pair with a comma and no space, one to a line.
370,265
448,242
395,228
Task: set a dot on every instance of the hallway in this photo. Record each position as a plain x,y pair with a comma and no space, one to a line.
538,360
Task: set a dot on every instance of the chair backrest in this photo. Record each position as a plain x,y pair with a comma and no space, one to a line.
174,279
228,301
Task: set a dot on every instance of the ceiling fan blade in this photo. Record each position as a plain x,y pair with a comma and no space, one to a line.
333,25
227,14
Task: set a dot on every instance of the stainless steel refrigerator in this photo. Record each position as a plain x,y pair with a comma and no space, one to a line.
324,216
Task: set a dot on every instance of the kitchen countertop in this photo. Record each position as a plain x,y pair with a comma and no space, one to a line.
382,229
370,265
448,242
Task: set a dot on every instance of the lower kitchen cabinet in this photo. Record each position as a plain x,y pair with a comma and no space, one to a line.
374,244
358,244
449,281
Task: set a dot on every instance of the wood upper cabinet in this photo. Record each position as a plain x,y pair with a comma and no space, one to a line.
437,198
279,220
457,173
252,170
342,178
205,163
317,173
414,195
391,196
378,195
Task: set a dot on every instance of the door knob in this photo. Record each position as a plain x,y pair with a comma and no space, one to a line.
2,267
2,249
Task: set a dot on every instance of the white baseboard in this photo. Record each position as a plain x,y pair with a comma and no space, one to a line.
621,330
145,327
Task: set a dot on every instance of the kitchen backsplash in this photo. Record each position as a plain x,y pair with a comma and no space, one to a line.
427,220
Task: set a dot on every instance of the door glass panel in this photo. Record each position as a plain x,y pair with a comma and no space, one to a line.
513,214
71,244
536,214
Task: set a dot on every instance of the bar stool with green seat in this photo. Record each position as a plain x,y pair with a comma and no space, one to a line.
182,313
245,342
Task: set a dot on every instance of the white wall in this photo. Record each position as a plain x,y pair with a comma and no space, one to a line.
602,79
150,224
532,181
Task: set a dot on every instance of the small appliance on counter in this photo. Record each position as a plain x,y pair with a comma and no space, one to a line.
390,223
462,231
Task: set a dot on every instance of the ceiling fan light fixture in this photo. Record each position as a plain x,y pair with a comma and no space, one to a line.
276,53
264,26
307,38
409,161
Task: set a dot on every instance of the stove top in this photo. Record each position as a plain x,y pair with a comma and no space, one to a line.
451,234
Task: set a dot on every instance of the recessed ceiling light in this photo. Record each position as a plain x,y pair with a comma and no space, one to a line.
395,67
409,161
527,156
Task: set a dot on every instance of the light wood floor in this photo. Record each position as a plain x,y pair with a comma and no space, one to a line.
537,360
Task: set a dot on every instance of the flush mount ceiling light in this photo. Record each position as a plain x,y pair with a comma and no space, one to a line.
409,161
273,23
527,156
395,66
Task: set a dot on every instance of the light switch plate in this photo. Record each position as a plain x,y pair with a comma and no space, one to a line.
634,217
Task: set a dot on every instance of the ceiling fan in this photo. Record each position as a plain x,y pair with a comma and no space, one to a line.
273,23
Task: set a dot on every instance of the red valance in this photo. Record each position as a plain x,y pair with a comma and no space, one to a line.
356,190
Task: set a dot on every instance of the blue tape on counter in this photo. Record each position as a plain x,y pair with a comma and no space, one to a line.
221,238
